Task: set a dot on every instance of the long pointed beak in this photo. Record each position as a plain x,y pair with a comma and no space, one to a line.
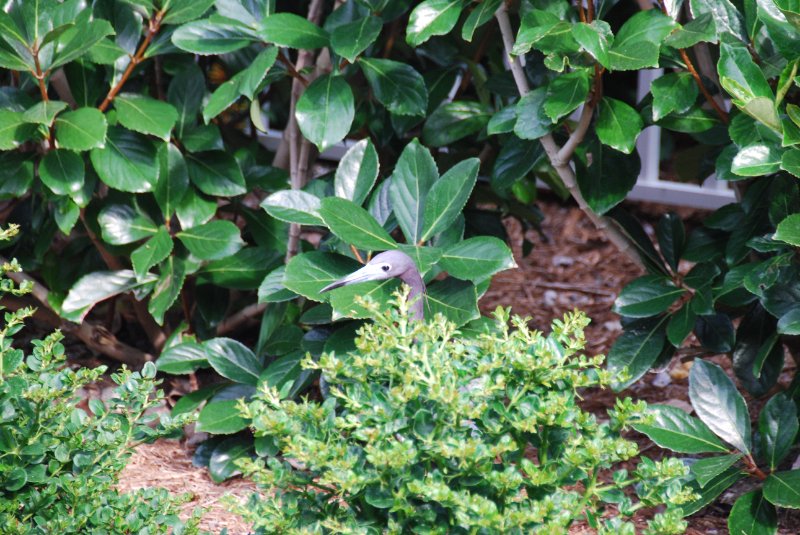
366,273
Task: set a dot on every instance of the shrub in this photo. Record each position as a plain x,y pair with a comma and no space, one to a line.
59,463
429,429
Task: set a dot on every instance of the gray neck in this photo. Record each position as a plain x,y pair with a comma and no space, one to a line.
417,295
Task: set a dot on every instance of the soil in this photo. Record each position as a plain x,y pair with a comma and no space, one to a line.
571,266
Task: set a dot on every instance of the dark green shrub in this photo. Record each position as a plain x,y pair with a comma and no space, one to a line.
59,464
434,430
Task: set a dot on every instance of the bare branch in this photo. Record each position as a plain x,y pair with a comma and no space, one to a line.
244,316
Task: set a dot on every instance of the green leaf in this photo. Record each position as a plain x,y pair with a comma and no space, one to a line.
432,17
448,196
789,323
233,360
153,251
350,40
516,159
778,427
121,224
208,37
167,288
712,489
396,85
791,11
62,171
145,115
326,110
565,93
184,358
220,418
223,463
647,296
243,270
673,92
673,429
293,31
354,225
82,129
98,286
185,93
357,172
610,177
455,120
618,125
637,43
294,206
752,515
596,38
681,324
216,173
180,11
215,239
478,258
503,121
636,350
44,112
671,238
16,174
715,331
718,403
308,273
480,15
545,31
84,39
66,214
250,78
173,179
286,369
706,469
788,230
454,299
343,299
14,130
414,175
745,82
756,160
783,489
532,121
127,163
424,256
790,161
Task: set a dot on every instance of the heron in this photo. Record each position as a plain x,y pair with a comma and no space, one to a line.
387,265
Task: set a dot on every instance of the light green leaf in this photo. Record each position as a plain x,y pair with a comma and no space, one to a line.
354,225
62,171
82,129
414,175
145,115
98,286
183,358
783,489
596,38
350,40
357,172
432,17
638,42
220,418
396,85
565,93
294,206
455,299
127,163
618,125
480,15
180,11
673,429
153,251
752,514
215,239
167,288
478,258
44,112
447,197
293,31
673,92
306,274
120,224
788,230
326,110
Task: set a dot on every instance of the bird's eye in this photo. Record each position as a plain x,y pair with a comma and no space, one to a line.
385,267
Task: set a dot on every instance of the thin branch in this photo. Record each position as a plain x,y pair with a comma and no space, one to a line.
152,29
291,69
244,316
40,76
590,10
562,166
357,254
690,66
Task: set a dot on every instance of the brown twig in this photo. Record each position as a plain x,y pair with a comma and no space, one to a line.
358,255
589,10
152,29
723,115
39,75
581,12
752,467
244,316
290,68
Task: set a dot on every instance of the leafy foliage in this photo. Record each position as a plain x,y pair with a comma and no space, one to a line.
436,428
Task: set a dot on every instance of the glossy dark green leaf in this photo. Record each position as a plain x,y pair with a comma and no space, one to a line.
82,129
777,427
233,360
14,130
718,403
293,31
216,173
447,197
215,239
145,115
707,468
647,296
742,78
127,163
325,111
208,37
357,172
712,489
565,93
243,270
181,11
151,252
673,429
532,121
618,125
294,206
220,418
121,224
414,175
516,159
477,258
80,41
396,85
715,332
456,300
453,121
308,273
757,358
350,40
637,43
185,93
700,29
480,15
596,38
783,489
789,230
673,92
173,179
98,286
756,160
44,112
172,274
671,238
183,358
223,463
752,514
636,350
62,171
354,225
432,17
680,324
503,121
282,370
609,178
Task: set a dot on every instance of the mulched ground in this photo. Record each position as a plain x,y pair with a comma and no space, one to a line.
572,266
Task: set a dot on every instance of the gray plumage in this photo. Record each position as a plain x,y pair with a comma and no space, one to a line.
387,265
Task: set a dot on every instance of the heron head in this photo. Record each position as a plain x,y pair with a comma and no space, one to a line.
383,266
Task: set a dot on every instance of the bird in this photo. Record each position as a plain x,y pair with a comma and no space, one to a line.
387,265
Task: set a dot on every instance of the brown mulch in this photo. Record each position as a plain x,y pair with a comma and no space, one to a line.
571,266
